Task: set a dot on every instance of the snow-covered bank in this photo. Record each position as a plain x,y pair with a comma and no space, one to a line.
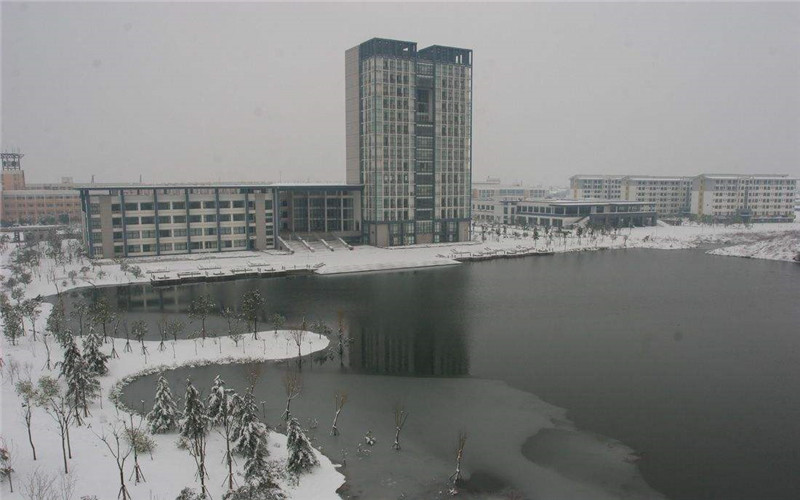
782,246
170,469
365,258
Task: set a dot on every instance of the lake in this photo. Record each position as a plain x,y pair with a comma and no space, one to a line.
691,360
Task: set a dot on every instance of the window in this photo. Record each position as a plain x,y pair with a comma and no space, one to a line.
194,205
178,219
238,204
195,218
209,204
163,205
148,220
164,219
131,207
145,206
164,233
178,205
178,232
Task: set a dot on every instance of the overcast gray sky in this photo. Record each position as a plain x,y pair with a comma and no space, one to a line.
216,91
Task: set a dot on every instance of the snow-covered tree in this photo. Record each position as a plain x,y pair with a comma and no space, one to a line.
301,456
194,427
82,385
221,412
164,415
252,303
251,432
6,464
94,357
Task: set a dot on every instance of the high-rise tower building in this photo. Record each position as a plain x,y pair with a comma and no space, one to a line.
409,140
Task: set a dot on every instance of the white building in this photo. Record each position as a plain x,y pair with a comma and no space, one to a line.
757,198
604,187
722,196
669,195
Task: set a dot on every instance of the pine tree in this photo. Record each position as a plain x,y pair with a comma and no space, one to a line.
194,428
164,415
94,357
82,383
71,356
218,402
301,456
251,432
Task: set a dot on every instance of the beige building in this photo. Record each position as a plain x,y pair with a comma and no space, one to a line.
22,203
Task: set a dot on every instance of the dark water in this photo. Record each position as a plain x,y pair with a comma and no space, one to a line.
692,360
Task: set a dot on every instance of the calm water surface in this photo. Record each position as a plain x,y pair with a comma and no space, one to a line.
692,360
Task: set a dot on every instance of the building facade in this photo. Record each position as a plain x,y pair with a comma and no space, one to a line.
756,198
147,220
751,198
669,195
22,203
604,187
568,213
409,140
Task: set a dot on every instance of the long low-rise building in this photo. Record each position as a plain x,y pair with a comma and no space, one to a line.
751,198
166,219
568,213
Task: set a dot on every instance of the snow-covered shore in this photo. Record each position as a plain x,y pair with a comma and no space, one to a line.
92,468
367,258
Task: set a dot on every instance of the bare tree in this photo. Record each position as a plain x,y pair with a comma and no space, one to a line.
200,308
29,395
462,440
233,319
58,406
139,331
400,416
40,486
139,442
298,336
339,399
293,384
120,454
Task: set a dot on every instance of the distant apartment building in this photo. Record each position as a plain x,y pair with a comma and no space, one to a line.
756,198
23,203
604,187
668,195
409,140
166,219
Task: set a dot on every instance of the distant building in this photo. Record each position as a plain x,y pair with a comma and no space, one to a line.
493,201
409,140
494,189
569,213
669,195
604,187
169,219
756,198
35,203
752,198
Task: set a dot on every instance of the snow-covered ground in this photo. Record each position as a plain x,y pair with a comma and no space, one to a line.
171,469
92,468
367,258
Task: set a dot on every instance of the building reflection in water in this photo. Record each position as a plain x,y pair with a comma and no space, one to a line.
398,323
